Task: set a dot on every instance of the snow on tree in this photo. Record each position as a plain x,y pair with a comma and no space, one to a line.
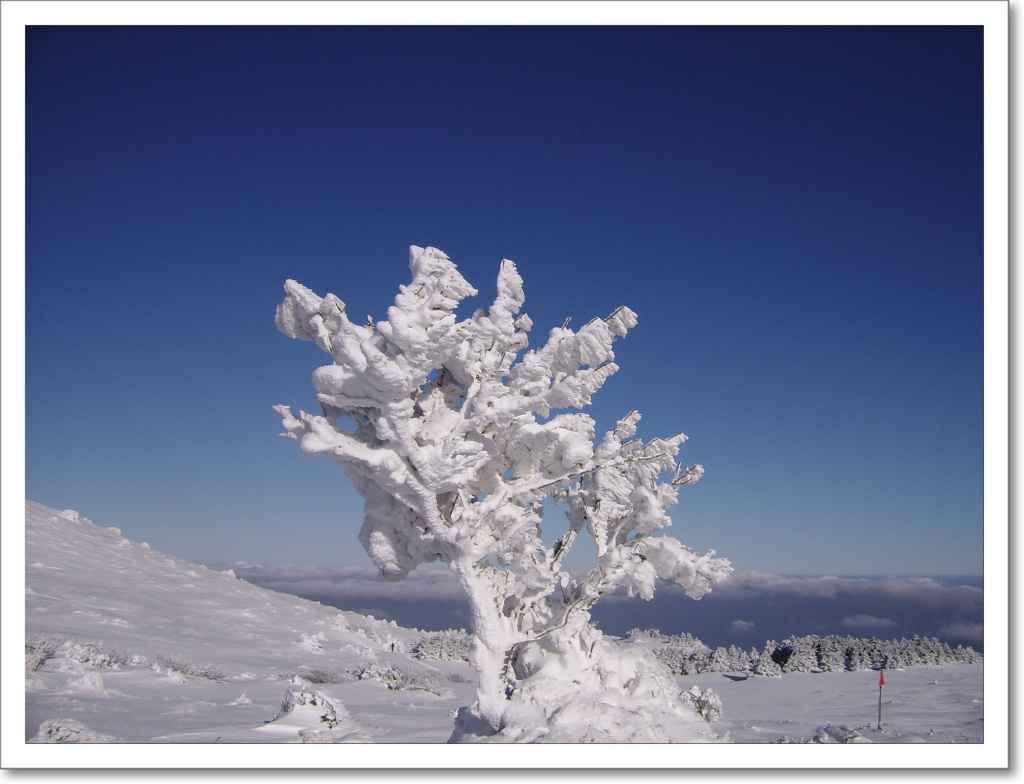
765,664
831,653
798,654
455,434
720,661
739,659
854,659
707,703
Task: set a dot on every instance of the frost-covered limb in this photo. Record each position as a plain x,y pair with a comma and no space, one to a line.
455,433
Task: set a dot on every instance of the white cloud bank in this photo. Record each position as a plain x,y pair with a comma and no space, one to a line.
972,633
865,621
748,609
352,582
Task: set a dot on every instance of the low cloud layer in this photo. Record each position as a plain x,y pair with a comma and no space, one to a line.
428,599
773,607
972,634
865,621
352,582
749,609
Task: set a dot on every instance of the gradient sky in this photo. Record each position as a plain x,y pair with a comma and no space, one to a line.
795,213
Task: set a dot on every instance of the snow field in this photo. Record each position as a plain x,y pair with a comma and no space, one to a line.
124,641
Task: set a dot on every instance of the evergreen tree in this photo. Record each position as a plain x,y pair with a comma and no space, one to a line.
720,661
766,664
800,654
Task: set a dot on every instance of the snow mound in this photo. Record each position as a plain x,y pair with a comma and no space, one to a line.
69,731
315,717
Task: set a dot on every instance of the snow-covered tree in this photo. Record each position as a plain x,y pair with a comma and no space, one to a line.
831,652
854,659
455,434
720,661
798,654
765,664
739,659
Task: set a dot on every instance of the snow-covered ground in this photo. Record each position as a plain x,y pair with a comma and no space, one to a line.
926,704
129,645
91,586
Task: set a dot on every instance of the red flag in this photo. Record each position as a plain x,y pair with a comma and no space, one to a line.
881,679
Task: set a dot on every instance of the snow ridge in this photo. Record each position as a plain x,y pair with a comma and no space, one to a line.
127,644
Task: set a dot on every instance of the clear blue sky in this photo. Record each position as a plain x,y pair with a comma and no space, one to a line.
795,213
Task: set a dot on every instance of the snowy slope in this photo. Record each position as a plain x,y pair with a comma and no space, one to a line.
90,585
130,645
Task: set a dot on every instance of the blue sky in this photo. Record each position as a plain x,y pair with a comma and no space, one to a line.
795,213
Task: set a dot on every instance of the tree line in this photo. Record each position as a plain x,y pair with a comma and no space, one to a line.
686,655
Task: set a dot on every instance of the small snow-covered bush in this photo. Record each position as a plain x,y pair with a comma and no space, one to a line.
841,734
449,645
398,679
96,655
707,703
184,666
41,648
69,731
322,676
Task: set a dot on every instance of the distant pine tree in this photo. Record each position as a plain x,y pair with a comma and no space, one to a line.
797,654
831,655
719,661
854,658
739,659
765,664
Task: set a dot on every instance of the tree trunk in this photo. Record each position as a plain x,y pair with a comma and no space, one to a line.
493,635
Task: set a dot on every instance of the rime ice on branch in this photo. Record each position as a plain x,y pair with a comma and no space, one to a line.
447,430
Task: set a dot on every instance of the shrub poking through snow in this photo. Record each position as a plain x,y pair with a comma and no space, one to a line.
322,676
449,645
398,678
96,655
69,731
184,666
707,703
841,734
40,649
455,434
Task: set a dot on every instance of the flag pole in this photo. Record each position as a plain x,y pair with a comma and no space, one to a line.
881,683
